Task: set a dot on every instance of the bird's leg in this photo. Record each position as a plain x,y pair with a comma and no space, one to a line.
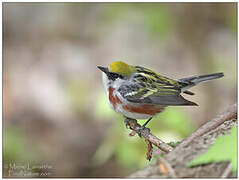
147,122
128,122
143,128
132,124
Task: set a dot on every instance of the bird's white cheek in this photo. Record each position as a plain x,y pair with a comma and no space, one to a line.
105,80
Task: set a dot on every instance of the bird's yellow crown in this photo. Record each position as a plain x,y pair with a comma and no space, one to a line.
122,68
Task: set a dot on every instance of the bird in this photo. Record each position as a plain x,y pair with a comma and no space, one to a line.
140,93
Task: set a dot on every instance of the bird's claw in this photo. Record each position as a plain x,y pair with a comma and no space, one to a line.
129,122
143,131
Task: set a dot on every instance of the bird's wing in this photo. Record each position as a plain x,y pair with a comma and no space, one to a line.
168,100
150,88
157,96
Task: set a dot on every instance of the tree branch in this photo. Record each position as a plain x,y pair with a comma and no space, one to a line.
230,113
227,171
175,163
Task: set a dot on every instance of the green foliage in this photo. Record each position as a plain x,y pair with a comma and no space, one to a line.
115,11
174,144
175,120
224,149
128,156
111,143
102,108
128,151
220,65
232,20
15,146
158,20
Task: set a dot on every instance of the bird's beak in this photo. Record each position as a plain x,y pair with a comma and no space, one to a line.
104,69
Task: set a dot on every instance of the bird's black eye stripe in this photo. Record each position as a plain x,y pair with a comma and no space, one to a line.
114,76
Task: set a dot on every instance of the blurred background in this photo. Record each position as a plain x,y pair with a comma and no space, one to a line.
56,120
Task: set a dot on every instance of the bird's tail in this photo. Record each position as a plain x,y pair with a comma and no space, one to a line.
198,79
192,81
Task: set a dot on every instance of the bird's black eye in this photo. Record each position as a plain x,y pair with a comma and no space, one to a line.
114,76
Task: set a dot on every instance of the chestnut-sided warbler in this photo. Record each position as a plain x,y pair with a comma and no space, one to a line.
140,93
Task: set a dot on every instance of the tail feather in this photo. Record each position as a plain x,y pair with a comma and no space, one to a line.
198,79
192,81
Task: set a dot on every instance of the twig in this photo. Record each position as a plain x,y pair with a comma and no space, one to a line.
227,171
149,150
132,123
230,113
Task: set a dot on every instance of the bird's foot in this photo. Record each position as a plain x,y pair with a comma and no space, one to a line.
133,125
143,131
129,122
